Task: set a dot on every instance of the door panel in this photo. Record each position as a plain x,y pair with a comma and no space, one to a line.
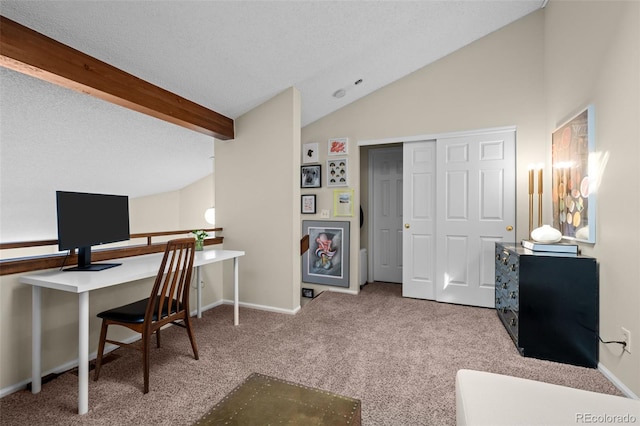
418,270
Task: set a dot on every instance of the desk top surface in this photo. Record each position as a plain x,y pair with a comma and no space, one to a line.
132,268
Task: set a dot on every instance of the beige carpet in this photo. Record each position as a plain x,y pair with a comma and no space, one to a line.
397,356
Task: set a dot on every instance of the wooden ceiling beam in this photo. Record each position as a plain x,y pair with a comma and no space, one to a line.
29,52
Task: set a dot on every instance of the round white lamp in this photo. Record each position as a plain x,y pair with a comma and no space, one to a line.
210,215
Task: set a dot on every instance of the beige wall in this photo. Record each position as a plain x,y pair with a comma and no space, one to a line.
532,74
598,62
258,201
155,212
182,209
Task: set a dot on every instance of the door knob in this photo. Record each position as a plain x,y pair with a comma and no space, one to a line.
509,228
406,225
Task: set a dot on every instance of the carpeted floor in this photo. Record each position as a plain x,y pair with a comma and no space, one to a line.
398,356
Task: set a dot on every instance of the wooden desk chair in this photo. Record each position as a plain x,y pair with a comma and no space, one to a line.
168,303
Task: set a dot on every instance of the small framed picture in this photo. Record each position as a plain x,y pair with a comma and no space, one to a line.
337,172
343,202
338,146
308,204
309,153
310,176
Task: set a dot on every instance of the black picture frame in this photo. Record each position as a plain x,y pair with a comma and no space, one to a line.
308,204
327,259
311,176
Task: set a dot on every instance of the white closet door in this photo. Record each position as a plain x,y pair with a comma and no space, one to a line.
419,216
476,208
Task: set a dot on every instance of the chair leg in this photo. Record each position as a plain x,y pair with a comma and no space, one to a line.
103,337
158,338
145,359
192,337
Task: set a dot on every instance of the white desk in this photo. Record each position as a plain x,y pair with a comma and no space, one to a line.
82,282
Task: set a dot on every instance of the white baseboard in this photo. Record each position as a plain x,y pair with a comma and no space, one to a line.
617,382
264,307
343,290
194,312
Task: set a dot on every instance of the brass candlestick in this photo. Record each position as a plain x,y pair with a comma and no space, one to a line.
530,201
540,196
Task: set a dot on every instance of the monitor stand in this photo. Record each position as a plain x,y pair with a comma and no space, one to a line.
84,262
94,267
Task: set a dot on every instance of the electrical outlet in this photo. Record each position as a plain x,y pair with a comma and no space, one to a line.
626,336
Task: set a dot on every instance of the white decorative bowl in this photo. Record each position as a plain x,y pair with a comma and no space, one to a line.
546,234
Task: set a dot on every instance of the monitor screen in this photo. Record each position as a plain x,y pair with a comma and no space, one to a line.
86,220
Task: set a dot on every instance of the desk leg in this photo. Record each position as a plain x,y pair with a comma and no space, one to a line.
236,309
83,352
36,342
198,293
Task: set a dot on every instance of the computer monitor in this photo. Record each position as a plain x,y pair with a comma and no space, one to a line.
86,220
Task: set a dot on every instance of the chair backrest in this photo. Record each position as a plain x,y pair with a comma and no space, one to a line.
170,295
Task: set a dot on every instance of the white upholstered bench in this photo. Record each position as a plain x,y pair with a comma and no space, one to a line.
488,399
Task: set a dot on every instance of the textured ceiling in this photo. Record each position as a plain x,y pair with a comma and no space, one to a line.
227,56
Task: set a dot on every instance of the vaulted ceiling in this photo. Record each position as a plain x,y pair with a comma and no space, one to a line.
228,56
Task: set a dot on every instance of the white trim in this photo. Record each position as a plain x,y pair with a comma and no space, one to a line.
209,306
416,138
264,307
617,382
345,290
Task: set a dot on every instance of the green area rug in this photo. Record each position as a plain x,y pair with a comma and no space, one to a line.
264,400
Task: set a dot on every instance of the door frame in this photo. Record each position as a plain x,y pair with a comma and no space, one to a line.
417,138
